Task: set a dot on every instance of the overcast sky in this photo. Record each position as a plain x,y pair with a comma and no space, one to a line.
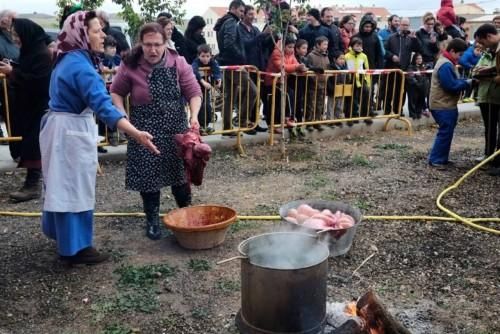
196,7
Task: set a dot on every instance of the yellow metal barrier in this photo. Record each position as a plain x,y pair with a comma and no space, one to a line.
316,99
6,112
234,107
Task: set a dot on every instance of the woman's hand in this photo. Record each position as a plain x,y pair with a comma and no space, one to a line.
5,68
194,124
145,139
142,137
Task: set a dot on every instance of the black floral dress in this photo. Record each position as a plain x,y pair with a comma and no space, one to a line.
163,118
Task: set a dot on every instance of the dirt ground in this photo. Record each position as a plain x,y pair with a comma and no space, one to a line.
444,275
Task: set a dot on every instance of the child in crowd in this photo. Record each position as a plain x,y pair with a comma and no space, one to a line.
299,83
468,60
110,60
356,61
445,93
418,86
274,66
206,82
318,62
336,89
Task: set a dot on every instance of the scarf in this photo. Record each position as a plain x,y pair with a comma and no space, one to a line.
74,36
448,56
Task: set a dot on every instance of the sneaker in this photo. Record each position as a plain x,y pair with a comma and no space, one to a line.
310,128
88,256
210,130
339,124
438,166
251,132
293,133
368,121
301,132
350,123
318,127
101,149
203,132
372,114
468,100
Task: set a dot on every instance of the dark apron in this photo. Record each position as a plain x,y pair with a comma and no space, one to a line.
163,118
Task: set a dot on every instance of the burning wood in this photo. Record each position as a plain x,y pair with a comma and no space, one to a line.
366,316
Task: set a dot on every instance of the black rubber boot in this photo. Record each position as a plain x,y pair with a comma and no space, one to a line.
182,195
31,188
151,202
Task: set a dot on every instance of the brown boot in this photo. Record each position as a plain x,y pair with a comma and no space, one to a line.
88,255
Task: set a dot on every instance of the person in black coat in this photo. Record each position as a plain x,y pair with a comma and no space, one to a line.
315,29
372,45
398,50
28,86
336,47
428,40
193,37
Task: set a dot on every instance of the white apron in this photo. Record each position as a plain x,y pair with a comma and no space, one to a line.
69,161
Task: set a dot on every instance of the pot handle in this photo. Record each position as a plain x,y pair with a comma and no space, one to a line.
232,258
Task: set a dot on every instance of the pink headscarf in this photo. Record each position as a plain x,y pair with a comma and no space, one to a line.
74,35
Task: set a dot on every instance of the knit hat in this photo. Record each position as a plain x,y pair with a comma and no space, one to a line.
314,13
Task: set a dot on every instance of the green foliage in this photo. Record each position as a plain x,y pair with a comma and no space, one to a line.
143,276
199,265
86,4
148,10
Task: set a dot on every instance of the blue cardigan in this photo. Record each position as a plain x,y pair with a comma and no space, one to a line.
76,85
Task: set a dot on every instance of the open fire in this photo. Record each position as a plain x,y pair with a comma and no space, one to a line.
367,315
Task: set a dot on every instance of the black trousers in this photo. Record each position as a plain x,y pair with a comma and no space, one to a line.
394,97
491,119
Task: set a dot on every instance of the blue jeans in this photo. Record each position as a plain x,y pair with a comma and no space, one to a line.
447,121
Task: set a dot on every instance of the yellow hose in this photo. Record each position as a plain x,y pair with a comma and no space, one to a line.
468,222
471,222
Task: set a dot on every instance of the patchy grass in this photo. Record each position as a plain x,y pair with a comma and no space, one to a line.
302,155
241,225
139,300
362,204
361,161
199,313
147,275
116,329
227,286
317,181
393,146
199,265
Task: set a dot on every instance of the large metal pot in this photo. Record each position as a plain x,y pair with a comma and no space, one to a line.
339,241
283,284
